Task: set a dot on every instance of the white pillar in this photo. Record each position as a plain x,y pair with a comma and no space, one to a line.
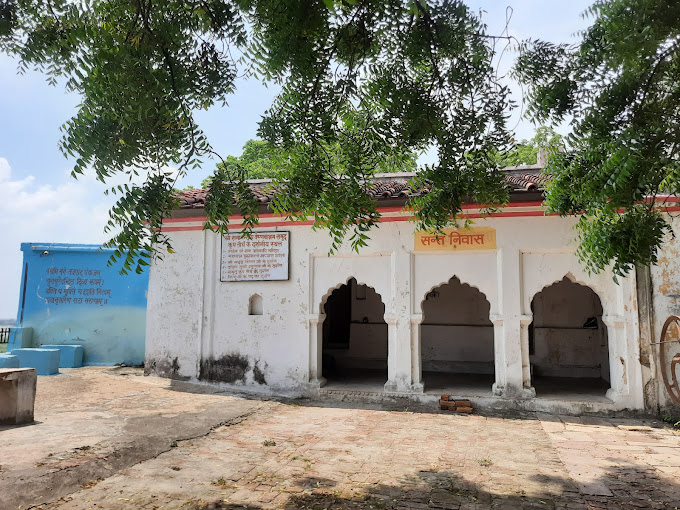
618,356
211,265
397,311
498,387
398,355
416,354
524,322
511,363
507,327
316,379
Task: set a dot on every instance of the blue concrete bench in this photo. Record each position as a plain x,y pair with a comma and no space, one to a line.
45,361
71,356
9,361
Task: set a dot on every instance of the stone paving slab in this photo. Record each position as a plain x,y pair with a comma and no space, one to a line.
349,455
313,456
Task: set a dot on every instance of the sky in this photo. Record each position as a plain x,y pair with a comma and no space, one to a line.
40,202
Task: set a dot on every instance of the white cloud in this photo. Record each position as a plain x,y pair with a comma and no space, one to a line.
5,170
74,211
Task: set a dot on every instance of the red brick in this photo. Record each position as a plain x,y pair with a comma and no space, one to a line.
463,403
466,410
445,397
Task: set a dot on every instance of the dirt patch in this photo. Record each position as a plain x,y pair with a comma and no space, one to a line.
116,422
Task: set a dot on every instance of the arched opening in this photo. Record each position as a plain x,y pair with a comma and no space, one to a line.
354,338
457,340
568,347
255,305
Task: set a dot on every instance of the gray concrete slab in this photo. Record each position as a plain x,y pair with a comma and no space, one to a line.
17,395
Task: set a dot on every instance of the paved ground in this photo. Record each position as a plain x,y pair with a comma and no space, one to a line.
108,441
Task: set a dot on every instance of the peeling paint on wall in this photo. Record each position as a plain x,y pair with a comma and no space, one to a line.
623,366
164,367
258,374
667,265
665,277
230,368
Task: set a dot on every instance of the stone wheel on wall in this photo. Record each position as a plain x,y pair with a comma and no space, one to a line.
669,357
354,343
457,340
568,345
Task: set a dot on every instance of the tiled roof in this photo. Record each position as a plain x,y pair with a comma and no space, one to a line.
385,186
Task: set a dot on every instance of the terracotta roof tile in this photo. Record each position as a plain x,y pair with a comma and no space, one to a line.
399,187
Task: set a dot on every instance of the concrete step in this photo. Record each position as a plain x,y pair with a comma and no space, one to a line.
9,361
71,356
45,361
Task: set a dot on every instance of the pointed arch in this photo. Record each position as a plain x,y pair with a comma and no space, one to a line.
348,281
354,334
468,289
540,273
569,277
568,341
457,337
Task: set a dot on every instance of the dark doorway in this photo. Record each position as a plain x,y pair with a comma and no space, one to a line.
568,345
457,340
354,338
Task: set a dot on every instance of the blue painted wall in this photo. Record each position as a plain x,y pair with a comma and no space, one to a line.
70,296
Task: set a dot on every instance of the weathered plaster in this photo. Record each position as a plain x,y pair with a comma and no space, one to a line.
664,280
195,317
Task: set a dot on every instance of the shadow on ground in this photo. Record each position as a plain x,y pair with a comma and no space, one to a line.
449,491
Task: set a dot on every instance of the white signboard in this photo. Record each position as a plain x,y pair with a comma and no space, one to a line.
262,257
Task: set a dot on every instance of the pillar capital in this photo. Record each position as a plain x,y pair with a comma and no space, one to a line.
316,318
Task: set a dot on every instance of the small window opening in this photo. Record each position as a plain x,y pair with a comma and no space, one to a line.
255,305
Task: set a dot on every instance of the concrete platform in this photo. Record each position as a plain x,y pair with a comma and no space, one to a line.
9,361
45,361
17,395
565,395
71,356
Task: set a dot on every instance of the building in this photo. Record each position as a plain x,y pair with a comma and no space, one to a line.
504,313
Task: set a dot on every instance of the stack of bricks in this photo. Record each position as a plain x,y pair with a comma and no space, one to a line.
458,406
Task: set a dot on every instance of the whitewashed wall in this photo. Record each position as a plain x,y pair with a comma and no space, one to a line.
665,291
193,317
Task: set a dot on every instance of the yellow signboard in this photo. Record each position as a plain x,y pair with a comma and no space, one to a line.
454,239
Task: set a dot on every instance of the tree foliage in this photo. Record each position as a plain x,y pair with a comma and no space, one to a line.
260,159
263,160
620,87
526,151
376,80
